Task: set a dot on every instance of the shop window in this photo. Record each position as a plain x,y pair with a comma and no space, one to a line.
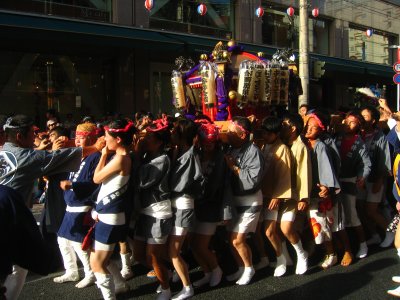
371,49
182,16
95,10
31,83
279,30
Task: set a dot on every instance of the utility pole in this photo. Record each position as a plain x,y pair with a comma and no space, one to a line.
303,52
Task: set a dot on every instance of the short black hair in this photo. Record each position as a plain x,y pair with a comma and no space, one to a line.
18,124
272,124
373,111
60,131
243,122
186,130
162,135
295,120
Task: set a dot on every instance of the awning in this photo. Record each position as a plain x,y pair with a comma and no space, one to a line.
336,64
31,27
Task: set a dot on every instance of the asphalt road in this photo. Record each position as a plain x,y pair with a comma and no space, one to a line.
365,279
368,278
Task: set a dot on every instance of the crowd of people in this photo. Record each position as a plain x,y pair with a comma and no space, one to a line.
154,188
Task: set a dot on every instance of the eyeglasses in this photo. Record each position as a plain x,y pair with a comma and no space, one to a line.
52,124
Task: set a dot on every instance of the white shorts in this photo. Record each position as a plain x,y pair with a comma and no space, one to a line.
205,228
373,197
179,231
286,211
244,223
104,247
351,218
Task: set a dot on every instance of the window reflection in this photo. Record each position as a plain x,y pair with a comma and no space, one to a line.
182,16
34,82
280,30
78,9
372,49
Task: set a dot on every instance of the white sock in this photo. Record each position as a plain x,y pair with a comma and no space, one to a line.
216,276
280,260
248,273
398,251
299,248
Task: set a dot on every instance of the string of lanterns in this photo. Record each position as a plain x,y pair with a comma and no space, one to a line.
201,8
259,12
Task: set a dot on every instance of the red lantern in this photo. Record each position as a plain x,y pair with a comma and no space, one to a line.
149,4
315,12
202,9
290,11
259,12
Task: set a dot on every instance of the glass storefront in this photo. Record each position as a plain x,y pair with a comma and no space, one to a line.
182,16
31,83
93,10
279,30
371,49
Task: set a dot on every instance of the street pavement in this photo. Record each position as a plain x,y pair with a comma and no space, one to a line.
368,278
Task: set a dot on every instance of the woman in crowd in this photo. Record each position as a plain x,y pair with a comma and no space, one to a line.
186,184
154,223
208,209
112,202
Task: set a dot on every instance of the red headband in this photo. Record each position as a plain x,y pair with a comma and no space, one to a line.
319,122
86,133
126,129
240,127
209,132
158,125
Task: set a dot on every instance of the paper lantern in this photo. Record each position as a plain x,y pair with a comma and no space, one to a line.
290,11
202,9
259,12
369,32
315,12
149,4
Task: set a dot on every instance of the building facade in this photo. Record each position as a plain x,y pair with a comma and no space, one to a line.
95,57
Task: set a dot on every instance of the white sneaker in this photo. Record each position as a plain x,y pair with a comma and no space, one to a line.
362,252
396,279
164,294
159,289
203,281
329,261
85,282
126,273
280,268
66,278
388,241
235,276
186,293
246,277
263,263
302,263
216,276
395,292
374,240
